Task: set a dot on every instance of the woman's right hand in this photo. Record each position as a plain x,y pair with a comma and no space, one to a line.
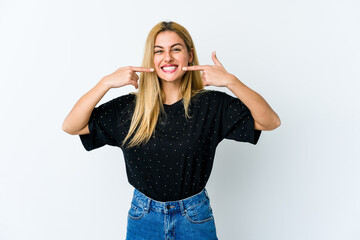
124,76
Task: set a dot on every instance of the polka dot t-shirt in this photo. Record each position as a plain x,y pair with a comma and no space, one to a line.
177,161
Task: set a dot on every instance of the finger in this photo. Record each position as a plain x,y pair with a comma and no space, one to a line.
203,76
141,69
134,77
135,84
195,68
215,59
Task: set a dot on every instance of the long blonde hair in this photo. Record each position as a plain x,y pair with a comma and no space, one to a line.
150,95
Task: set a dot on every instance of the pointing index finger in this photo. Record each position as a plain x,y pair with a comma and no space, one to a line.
194,68
142,69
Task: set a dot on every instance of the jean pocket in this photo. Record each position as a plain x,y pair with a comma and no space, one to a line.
200,213
136,212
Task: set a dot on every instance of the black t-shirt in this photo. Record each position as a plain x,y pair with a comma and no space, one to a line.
177,161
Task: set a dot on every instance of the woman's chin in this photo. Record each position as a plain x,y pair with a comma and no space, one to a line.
170,79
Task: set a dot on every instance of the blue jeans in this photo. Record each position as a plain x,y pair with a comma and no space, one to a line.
189,218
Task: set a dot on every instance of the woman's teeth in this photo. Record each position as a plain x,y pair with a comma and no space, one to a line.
169,69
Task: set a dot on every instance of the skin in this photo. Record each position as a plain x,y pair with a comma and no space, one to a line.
76,122
171,49
212,75
166,52
215,75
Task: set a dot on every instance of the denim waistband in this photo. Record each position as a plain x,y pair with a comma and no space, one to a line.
171,206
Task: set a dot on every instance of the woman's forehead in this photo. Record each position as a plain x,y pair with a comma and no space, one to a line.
168,39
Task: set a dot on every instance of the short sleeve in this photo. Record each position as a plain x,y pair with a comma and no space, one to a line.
105,124
237,123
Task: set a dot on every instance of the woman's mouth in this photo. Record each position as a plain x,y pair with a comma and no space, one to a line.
169,69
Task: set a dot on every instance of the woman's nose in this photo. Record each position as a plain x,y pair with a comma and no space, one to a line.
168,56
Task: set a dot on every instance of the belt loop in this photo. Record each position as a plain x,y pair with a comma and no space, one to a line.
182,207
147,207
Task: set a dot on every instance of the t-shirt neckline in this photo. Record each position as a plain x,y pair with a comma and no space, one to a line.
172,105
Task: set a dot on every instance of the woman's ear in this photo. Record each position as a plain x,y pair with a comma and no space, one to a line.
191,55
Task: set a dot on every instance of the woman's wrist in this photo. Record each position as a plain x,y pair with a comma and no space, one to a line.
233,81
103,84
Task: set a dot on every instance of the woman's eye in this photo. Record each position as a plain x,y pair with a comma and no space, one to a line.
175,49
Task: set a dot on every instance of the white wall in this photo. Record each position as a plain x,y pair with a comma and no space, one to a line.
300,182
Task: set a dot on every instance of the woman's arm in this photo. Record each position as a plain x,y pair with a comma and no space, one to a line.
216,75
77,120
265,118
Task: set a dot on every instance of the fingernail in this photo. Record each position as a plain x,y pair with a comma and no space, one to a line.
214,52
151,69
184,68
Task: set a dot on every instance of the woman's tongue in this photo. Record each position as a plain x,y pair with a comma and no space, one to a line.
170,69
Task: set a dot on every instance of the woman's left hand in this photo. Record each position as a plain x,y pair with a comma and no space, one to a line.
213,75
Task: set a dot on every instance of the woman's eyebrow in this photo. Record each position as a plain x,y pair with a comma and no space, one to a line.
171,45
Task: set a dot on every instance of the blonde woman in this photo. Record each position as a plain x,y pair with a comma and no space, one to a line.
168,131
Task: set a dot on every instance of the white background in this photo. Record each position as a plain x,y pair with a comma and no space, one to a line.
301,181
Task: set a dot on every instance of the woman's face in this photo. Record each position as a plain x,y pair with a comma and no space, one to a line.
170,56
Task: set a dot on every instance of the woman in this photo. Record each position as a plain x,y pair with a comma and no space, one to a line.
169,130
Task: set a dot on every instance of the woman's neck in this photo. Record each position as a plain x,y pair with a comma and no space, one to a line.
172,92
